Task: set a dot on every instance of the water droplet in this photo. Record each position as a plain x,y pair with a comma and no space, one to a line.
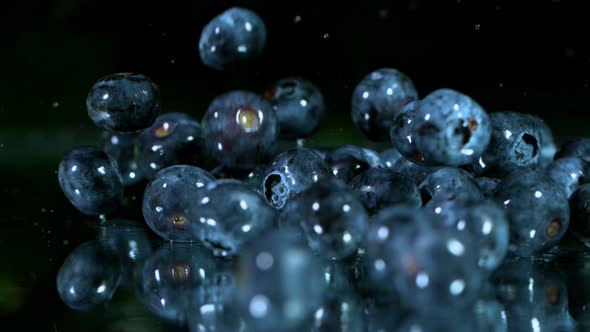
477,27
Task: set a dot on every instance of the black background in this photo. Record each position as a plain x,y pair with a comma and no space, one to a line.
528,56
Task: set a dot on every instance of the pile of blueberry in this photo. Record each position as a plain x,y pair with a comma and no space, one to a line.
288,240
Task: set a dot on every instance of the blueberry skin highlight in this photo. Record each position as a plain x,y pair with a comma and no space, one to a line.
390,157
378,99
379,188
291,173
90,181
299,106
450,128
228,215
120,147
234,37
537,210
348,161
88,277
579,203
240,129
123,102
280,282
168,199
515,145
569,173
449,183
331,216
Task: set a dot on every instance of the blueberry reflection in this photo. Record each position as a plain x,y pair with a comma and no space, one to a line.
176,276
535,296
129,241
88,277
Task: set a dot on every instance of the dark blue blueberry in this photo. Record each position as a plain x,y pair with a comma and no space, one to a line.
90,181
489,315
174,277
515,145
120,147
432,269
168,200
240,129
413,171
129,240
487,186
456,321
228,215
579,147
378,99
402,133
390,157
299,106
234,37
349,161
450,128
291,173
123,102
483,222
537,210
579,203
331,216
449,183
534,295
88,277
280,282
173,139
379,188
548,146
383,317
381,258
569,173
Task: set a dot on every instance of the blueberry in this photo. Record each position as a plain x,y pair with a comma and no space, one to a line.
450,128
534,295
487,186
381,258
234,37
436,322
449,183
173,277
168,199
380,187
579,203
228,215
173,139
291,173
349,161
130,241
579,147
484,223
515,145
123,102
339,312
413,171
402,133
280,283
90,181
537,210
569,173
88,277
120,147
378,99
240,129
382,317
299,106
331,216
